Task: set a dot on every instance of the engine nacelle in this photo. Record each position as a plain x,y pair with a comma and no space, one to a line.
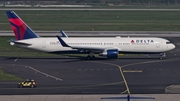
110,53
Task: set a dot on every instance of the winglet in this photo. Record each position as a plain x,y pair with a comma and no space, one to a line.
63,34
62,42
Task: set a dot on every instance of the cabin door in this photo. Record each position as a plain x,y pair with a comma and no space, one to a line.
158,45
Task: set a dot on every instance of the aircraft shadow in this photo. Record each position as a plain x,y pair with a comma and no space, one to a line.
76,59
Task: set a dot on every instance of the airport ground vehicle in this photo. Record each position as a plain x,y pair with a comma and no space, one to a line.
27,83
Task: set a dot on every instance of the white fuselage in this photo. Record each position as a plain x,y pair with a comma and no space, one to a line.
123,44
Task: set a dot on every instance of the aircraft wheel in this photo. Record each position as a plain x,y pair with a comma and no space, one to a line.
90,57
93,57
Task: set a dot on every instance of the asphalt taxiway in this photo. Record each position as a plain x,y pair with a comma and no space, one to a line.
128,74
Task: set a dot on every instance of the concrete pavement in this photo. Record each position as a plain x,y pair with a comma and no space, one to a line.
97,97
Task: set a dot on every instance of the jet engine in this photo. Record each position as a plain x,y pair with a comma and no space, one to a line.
110,53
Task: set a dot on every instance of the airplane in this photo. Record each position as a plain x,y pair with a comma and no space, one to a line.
109,47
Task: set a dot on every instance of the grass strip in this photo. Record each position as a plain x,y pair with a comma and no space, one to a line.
97,20
6,76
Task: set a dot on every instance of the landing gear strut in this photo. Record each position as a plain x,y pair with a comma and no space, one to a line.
91,56
162,55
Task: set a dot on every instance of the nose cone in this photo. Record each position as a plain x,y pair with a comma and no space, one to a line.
171,46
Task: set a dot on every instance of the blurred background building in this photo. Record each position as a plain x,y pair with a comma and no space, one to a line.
39,3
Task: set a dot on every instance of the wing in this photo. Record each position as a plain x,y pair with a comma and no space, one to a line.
84,48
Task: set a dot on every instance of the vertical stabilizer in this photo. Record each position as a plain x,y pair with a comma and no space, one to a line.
19,27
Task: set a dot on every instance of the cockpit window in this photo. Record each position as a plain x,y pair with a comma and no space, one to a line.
168,43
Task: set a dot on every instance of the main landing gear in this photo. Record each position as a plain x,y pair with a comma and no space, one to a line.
91,56
162,55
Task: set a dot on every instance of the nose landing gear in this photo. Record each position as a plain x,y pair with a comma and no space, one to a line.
162,55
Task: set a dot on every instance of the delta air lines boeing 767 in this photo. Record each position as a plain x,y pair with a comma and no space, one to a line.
104,46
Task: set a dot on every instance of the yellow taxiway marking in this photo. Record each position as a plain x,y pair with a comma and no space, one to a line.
139,63
121,72
120,54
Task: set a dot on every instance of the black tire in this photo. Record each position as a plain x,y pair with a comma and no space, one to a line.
32,86
93,57
88,57
20,86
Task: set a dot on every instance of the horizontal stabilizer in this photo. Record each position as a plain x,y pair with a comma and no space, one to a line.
20,43
11,40
63,34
